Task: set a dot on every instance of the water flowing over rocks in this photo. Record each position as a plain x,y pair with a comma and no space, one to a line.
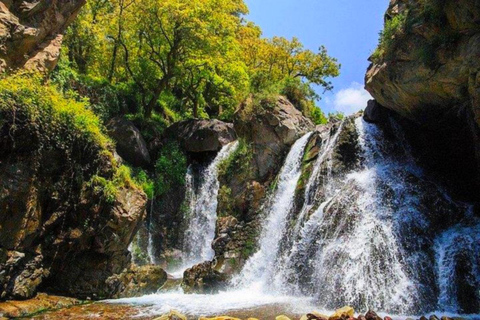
355,225
31,32
163,233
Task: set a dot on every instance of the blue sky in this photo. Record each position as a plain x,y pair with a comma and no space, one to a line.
348,29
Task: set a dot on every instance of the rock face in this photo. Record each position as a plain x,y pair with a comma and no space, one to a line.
136,281
129,142
59,232
199,136
46,245
431,76
271,130
203,278
419,88
266,133
31,32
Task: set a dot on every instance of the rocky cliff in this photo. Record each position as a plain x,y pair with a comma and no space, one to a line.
427,70
31,32
68,211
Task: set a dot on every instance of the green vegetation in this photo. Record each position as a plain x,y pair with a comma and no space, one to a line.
38,119
249,248
156,63
238,164
176,59
226,202
170,168
393,29
426,12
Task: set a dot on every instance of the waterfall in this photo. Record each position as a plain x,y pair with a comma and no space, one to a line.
360,238
278,207
457,253
378,233
201,215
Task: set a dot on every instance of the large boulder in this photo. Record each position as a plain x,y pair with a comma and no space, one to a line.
199,136
137,281
272,130
129,142
203,278
31,32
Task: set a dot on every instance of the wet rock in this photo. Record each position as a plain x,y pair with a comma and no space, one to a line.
31,32
203,278
387,318
433,317
315,316
136,281
172,315
371,315
41,303
130,144
198,136
282,317
342,313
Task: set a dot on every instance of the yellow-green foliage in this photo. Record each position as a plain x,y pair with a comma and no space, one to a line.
184,58
121,179
44,105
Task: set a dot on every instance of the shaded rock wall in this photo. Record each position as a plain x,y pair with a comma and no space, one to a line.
58,231
431,78
31,32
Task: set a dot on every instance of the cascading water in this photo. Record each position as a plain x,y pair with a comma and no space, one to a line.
367,242
278,208
202,216
457,253
374,235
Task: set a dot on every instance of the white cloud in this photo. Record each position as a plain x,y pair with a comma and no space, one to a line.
351,99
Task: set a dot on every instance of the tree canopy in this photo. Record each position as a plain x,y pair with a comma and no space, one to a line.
195,58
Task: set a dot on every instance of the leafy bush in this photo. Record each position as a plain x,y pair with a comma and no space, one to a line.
170,168
43,106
